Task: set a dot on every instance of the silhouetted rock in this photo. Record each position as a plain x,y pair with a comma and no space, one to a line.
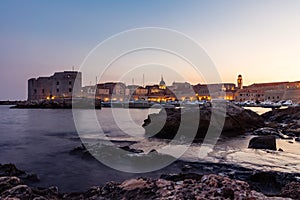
263,142
237,120
82,152
266,182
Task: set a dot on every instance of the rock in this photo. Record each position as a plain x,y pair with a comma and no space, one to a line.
266,182
8,182
263,142
280,149
237,120
19,191
291,190
127,148
10,170
266,131
297,139
271,131
290,117
82,152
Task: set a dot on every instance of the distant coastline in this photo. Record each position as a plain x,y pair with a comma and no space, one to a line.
9,102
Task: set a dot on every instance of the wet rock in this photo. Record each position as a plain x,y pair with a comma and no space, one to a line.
82,152
8,182
127,148
266,131
266,182
237,120
293,132
291,190
19,191
263,142
10,170
289,117
271,131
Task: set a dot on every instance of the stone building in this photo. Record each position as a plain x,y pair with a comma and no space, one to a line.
59,85
275,91
218,90
111,91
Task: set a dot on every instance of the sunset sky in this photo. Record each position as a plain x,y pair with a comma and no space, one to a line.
259,39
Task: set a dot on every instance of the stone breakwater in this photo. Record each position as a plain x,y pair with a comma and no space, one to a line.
175,186
84,103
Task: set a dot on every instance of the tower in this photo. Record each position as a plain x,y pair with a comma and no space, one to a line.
162,84
240,82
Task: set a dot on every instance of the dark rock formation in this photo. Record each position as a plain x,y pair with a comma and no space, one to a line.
12,170
271,131
263,142
237,120
265,182
288,115
189,187
288,119
291,190
82,152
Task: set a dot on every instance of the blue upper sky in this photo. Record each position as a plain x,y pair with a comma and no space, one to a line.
257,38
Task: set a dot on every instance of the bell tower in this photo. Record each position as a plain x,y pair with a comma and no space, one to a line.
240,82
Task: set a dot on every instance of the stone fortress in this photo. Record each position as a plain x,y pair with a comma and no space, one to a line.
59,85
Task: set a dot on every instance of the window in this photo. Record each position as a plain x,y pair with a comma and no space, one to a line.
70,89
43,91
57,90
57,83
70,82
34,91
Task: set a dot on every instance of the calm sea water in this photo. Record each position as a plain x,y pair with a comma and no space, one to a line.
39,141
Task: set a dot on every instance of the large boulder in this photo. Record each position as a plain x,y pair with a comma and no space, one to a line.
237,120
263,142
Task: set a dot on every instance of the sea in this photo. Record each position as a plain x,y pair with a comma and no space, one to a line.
40,140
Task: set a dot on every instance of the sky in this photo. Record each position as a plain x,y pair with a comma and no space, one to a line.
256,38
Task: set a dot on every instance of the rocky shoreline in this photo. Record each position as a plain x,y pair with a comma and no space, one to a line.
186,180
196,181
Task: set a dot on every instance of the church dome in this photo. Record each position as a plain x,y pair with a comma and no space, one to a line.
162,82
